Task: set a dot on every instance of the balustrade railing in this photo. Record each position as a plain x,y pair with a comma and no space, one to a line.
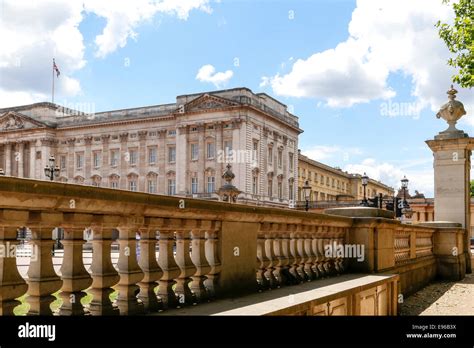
411,243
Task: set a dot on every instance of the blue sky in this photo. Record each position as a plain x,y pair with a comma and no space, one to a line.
338,65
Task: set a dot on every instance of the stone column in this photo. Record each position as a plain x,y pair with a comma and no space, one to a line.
70,159
170,268
212,256
181,160
20,159
105,165
123,160
103,273
88,159
129,271
201,157
8,157
220,159
73,273
452,164
42,279
12,285
150,268
183,260
198,256
33,164
161,162
142,161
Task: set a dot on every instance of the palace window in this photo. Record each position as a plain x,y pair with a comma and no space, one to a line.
171,154
151,186
211,150
270,188
280,158
211,184
255,151
270,155
290,191
133,156
171,186
132,185
113,158
62,162
79,160
194,152
290,160
152,155
280,190
255,185
194,185
97,159
172,132
228,148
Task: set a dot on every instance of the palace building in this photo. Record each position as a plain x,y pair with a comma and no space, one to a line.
176,149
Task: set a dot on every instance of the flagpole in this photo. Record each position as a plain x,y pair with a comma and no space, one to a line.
52,95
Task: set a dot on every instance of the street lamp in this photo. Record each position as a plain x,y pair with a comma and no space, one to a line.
51,171
404,187
365,181
306,194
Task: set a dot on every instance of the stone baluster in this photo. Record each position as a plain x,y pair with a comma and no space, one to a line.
185,264
42,278
318,256
169,267
149,265
103,273
262,262
310,257
128,270
198,256
73,273
295,257
301,236
270,255
12,285
339,261
282,253
212,256
321,252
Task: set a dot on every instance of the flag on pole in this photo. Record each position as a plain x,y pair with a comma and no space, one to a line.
55,67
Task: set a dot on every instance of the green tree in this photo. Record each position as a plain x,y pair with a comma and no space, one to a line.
458,38
472,188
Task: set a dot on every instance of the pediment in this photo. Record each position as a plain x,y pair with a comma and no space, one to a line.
207,102
12,120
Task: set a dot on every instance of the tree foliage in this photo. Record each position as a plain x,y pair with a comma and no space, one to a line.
459,40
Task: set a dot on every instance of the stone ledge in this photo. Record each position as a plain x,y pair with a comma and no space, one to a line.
360,212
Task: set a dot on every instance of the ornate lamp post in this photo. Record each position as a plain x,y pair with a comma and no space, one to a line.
404,188
228,192
365,182
50,170
306,193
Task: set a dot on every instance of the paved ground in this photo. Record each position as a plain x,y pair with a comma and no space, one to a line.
442,298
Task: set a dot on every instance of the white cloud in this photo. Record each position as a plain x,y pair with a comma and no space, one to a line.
33,32
207,73
125,15
385,37
333,152
418,172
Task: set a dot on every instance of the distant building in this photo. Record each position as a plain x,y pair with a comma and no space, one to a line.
333,184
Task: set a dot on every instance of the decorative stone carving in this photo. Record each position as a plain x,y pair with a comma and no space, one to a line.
451,112
12,122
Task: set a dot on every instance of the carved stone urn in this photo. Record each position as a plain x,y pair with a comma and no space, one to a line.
451,112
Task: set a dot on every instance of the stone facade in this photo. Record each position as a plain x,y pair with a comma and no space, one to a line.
180,148
328,183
